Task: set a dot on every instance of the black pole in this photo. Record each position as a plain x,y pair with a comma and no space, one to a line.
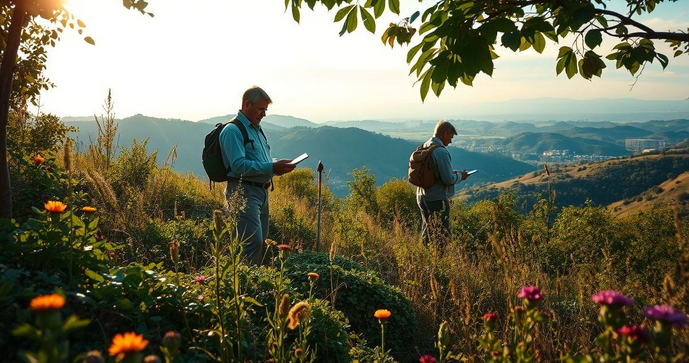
320,174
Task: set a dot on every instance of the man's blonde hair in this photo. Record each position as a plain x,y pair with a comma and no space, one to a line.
255,94
442,127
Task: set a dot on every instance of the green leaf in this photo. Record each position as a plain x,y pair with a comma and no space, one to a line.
511,40
26,331
524,44
94,275
571,68
368,20
394,6
379,8
351,20
90,40
342,12
539,42
425,84
593,38
74,323
412,52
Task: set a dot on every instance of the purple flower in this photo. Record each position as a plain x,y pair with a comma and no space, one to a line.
530,293
610,297
667,314
200,279
635,332
427,359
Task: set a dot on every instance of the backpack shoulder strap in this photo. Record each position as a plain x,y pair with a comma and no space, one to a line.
245,134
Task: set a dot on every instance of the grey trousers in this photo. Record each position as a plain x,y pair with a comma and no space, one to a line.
252,226
435,216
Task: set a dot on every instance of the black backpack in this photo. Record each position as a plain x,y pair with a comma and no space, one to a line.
212,154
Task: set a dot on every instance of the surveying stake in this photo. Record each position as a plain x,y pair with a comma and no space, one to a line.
320,174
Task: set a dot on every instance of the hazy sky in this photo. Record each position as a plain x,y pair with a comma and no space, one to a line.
194,59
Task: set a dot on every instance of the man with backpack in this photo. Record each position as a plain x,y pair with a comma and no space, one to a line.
430,169
246,155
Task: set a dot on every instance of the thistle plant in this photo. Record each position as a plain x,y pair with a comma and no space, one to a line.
525,319
488,342
665,318
443,344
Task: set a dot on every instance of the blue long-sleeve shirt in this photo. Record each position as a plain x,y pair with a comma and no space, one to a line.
444,188
252,163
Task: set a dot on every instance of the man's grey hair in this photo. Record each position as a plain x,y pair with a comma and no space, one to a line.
255,94
444,126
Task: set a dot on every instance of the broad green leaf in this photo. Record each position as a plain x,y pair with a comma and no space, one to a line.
524,44
90,40
564,51
539,42
394,6
663,60
593,38
425,84
571,68
74,323
342,12
351,20
412,52
368,20
511,40
94,275
379,8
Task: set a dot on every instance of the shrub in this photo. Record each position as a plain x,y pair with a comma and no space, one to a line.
397,201
359,294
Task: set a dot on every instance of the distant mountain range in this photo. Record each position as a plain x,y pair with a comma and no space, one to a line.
340,149
530,142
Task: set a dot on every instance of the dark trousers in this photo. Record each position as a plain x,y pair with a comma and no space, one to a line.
435,215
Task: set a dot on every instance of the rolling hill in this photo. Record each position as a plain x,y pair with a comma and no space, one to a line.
602,183
341,150
529,142
672,191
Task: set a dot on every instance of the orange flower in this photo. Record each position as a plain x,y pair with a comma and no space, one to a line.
38,160
123,344
88,209
284,247
313,275
53,206
382,314
47,303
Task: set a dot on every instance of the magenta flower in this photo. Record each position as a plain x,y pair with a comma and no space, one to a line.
666,313
635,332
200,279
613,298
530,293
427,359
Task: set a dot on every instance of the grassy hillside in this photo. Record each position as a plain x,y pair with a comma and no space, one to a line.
603,183
607,134
674,191
341,150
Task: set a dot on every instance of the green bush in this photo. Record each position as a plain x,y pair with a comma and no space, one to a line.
359,294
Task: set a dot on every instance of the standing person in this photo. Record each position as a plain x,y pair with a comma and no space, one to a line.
251,164
434,202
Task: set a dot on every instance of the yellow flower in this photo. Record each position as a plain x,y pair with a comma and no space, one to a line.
47,303
284,306
53,206
299,312
38,160
123,344
382,314
88,209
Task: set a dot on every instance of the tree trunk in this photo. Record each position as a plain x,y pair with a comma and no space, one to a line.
9,61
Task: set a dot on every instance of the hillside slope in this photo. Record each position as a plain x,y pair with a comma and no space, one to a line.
603,183
539,142
672,191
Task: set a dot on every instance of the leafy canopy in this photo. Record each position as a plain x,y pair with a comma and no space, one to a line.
459,38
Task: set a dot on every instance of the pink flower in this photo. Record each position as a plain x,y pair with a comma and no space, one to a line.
200,279
490,317
427,359
635,332
666,313
530,293
200,297
613,298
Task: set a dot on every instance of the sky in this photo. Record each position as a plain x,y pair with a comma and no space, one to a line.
194,59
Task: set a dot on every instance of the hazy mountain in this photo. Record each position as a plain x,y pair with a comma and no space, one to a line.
539,142
341,150
608,134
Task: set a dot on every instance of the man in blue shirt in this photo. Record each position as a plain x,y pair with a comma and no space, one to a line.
434,202
254,167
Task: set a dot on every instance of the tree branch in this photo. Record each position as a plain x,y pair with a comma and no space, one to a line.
647,33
